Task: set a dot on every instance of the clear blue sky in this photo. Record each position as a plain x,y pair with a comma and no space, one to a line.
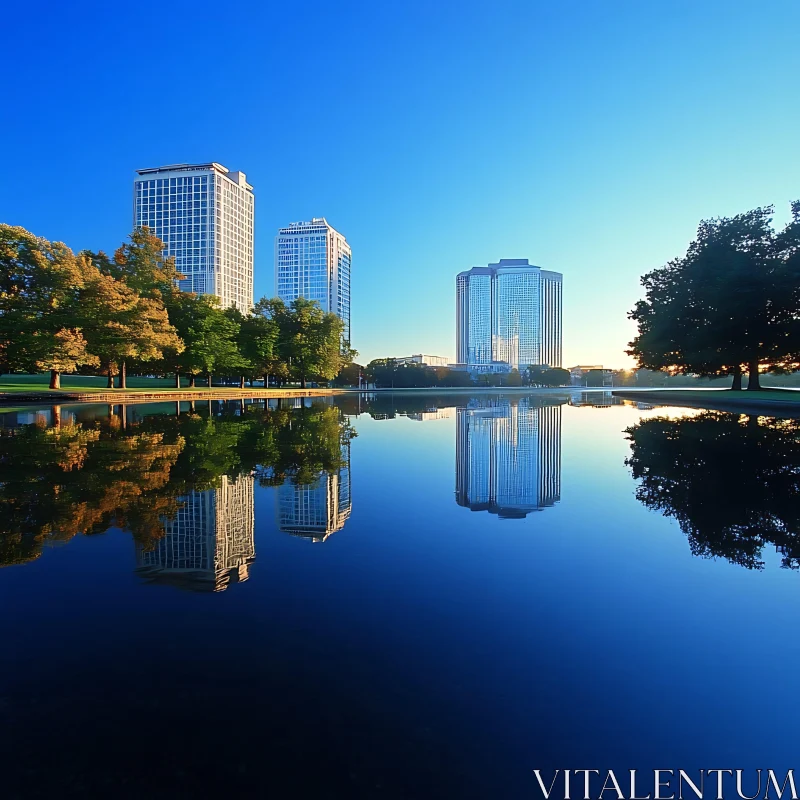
589,137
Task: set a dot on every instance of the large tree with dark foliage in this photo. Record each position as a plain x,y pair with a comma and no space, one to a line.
731,482
731,303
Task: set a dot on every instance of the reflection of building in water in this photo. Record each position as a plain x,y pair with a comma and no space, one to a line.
316,510
595,399
210,542
508,457
432,413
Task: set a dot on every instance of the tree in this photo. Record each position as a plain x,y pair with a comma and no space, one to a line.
732,301
309,339
124,325
209,337
731,482
258,341
514,378
40,312
141,264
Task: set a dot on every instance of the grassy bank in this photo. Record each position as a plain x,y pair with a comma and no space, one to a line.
764,401
24,384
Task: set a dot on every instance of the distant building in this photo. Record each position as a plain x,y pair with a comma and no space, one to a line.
508,457
492,368
429,361
509,312
448,412
204,214
210,542
316,510
312,260
600,376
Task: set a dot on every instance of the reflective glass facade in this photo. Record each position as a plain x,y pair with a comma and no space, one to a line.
312,260
204,214
508,456
508,312
209,543
316,510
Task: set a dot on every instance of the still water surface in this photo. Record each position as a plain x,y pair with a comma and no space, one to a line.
405,596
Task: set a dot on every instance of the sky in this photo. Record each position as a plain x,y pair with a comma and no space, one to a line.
588,137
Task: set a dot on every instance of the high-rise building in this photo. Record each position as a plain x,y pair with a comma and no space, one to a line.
316,510
204,215
312,260
210,542
508,456
508,312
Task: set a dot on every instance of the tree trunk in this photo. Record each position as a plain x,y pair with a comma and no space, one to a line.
736,386
55,379
753,381
191,381
123,415
209,380
123,376
110,381
303,382
56,416
177,380
241,382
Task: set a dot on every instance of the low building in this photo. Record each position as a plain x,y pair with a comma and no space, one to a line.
420,358
492,368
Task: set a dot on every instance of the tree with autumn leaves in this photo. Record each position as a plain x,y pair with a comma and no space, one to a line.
60,312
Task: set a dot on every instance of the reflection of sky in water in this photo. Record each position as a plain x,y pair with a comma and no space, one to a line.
434,651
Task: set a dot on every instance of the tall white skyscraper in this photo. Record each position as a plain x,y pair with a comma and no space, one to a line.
312,260
509,312
204,215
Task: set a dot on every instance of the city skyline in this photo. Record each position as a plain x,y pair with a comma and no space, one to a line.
204,214
597,158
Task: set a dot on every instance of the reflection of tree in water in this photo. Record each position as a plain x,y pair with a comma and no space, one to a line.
56,482
731,482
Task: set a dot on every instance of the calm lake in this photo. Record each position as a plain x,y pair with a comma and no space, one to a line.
394,596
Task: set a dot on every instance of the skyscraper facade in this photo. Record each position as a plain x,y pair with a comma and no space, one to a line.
312,260
316,510
508,456
509,312
204,215
210,542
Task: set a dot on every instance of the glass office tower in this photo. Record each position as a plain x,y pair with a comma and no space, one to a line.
508,312
312,260
508,457
204,215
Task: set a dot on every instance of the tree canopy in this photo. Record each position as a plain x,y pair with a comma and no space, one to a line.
731,303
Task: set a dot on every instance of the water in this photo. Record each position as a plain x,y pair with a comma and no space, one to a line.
393,597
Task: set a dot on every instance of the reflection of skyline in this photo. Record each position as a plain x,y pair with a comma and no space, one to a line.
508,457
315,511
210,542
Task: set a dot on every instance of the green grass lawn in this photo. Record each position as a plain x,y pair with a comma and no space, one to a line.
778,394
92,383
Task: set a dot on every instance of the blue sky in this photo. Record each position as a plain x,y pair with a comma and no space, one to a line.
589,137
